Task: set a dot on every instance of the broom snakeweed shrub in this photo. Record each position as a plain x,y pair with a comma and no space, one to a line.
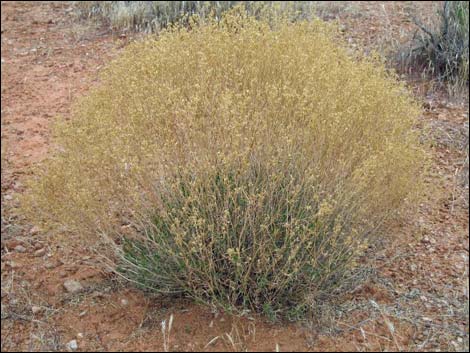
241,163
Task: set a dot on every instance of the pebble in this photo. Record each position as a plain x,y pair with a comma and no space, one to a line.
73,286
34,230
20,248
72,345
36,309
51,265
124,302
40,252
14,264
414,292
10,243
38,246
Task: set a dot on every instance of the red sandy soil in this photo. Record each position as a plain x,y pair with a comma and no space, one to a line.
416,294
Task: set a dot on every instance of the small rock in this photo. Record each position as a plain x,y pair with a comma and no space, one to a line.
124,302
10,243
20,248
36,309
72,345
14,264
13,301
34,230
49,265
8,197
40,252
73,286
72,268
52,265
80,335
414,292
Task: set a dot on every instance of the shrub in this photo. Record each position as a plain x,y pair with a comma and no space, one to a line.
443,51
239,163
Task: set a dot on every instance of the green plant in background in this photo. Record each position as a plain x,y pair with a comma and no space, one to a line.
243,163
443,51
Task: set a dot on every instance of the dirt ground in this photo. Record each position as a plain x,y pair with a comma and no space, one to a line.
416,293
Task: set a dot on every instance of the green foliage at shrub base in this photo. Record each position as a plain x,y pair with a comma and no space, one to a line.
243,241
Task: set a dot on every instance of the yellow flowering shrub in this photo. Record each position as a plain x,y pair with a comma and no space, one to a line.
242,163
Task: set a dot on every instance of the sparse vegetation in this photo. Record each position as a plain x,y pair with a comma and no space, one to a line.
152,16
241,163
442,50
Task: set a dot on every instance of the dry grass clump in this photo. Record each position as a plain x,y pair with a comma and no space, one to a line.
151,16
442,51
243,164
147,15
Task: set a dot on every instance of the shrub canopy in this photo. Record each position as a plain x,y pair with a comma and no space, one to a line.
242,163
